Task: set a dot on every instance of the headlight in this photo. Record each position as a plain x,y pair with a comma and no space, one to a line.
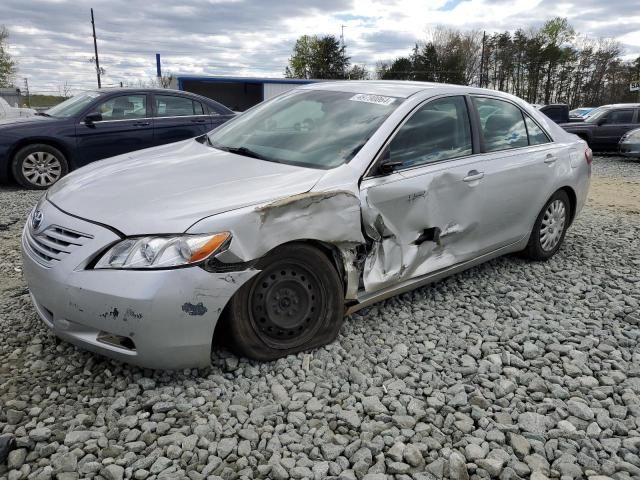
162,251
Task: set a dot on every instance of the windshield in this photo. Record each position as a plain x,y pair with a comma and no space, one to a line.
595,114
73,105
309,128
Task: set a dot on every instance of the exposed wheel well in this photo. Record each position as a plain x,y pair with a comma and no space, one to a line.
327,249
331,252
34,141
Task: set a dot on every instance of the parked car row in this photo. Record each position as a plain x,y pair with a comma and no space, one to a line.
605,126
38,150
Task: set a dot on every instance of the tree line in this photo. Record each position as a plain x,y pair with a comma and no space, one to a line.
550,64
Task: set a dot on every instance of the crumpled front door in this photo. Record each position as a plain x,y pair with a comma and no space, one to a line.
421,220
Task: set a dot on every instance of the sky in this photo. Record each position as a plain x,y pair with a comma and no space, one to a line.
51,39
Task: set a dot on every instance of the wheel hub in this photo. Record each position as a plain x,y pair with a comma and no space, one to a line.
552,225
285,303
42,169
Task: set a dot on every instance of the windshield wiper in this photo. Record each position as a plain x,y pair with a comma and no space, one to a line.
43,114
244,151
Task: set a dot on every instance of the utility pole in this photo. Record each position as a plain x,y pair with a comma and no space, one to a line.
484,36
344,74
26,89
95,47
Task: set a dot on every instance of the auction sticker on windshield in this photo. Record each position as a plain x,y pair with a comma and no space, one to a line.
377,99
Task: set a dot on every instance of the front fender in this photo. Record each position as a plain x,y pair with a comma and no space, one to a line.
328,216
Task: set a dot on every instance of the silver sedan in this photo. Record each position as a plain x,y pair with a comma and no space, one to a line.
629,144
273,227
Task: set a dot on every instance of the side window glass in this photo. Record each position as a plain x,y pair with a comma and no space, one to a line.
437,131
536,134
124,107
197,108
170,106
502,124
620,116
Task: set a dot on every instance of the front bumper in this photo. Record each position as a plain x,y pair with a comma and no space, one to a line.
154,319
629,148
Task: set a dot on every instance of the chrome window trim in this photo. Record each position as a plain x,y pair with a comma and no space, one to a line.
114,121
140,119
181,116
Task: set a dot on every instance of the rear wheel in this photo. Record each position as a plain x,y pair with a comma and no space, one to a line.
39,166
295,303
550,227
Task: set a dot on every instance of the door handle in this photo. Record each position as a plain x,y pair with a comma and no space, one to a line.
198,120
550,158
141,124
473,175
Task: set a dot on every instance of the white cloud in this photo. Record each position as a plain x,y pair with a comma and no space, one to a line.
51,39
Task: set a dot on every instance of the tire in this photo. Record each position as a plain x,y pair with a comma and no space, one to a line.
555,218
295,303
38,166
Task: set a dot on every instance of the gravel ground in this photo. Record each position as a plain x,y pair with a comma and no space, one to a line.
509,370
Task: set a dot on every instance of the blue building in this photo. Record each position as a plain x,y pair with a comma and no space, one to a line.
237,93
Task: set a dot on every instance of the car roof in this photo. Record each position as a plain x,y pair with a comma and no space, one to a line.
165,91
622,105
134,89
399,88
395,88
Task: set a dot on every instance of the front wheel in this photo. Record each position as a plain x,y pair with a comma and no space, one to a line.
550,228
39,166
294,304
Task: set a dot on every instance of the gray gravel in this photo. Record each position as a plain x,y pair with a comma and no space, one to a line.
613,166
510,370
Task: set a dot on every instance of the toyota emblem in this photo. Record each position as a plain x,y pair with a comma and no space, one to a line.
36,220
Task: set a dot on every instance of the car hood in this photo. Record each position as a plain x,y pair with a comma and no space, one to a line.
167,189
34,119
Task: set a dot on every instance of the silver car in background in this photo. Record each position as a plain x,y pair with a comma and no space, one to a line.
305,208
629,144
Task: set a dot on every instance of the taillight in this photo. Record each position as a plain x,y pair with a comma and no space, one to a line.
588,156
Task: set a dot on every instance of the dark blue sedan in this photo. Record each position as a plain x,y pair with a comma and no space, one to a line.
37,151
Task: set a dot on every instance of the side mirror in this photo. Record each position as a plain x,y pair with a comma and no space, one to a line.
93,117
388,166
602,121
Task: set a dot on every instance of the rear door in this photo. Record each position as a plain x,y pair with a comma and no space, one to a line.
521,163
124,125
178,118
617,122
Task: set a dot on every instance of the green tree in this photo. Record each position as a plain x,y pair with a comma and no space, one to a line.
400,69
358,72
318,57
8,66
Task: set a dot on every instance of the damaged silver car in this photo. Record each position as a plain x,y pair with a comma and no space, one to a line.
305,208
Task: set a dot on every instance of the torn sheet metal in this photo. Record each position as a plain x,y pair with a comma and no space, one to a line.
332,217
417,224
